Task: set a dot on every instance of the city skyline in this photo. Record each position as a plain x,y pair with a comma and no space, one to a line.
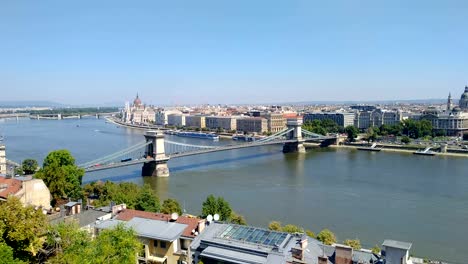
232,53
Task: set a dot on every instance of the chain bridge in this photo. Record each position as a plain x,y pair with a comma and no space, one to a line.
156,151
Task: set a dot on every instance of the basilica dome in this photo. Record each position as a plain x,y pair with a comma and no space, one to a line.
464,100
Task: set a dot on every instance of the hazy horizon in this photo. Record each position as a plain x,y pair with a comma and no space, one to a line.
242,52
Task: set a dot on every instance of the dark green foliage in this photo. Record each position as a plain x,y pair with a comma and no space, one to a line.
213,205
6,255
352,132
29,166
135,197
61,175
147,200
405,139
170,206
322,127
416,129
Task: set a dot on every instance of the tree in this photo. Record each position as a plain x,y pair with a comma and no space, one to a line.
22,228
275,226
117,245
135,197
327,237
213,205
405,140
354,243
376,250
237,219
147,200
292,229
61,175
310,233
29,166
71,243
170,206
6,255
352,132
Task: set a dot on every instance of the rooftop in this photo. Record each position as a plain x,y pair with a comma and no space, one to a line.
148,228
9,187
397,244
191,223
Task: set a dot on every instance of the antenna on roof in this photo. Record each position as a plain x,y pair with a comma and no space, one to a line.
209,218
216,217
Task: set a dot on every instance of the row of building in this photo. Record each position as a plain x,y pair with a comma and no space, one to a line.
453,120
188,239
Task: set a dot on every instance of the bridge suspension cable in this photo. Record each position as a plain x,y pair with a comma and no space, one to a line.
115,155
311,134
275,136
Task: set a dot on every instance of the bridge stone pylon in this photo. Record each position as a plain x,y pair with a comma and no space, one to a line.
157,166
295,134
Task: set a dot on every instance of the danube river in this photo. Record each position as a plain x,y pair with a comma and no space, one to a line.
365,195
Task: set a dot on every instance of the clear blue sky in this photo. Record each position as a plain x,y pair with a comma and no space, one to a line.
178,52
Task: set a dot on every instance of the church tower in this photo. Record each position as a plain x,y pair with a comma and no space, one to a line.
449,103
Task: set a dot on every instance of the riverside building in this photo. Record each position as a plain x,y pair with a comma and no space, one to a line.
343,119
138,113
252,124
221,122
453,121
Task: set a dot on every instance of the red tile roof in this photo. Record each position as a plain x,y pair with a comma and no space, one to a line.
128,214
12,187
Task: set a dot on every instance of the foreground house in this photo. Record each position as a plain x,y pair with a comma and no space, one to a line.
30,191
165,238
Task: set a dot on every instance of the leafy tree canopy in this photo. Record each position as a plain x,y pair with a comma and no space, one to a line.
6,255
352,132
135,197
354,243
29,166
327,237
275,226
118,245
170,206
237,219
61,175
213,205
22,228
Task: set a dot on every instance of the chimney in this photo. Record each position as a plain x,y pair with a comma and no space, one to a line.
201,226
322,260
298,251
343,254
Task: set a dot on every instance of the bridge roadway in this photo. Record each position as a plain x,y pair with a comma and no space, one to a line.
197,152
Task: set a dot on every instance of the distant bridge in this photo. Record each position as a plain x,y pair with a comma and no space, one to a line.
157,151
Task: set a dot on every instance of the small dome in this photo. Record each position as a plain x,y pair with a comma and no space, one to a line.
456,109
137,101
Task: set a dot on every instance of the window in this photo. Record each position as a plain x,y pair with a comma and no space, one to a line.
163,244
155,243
